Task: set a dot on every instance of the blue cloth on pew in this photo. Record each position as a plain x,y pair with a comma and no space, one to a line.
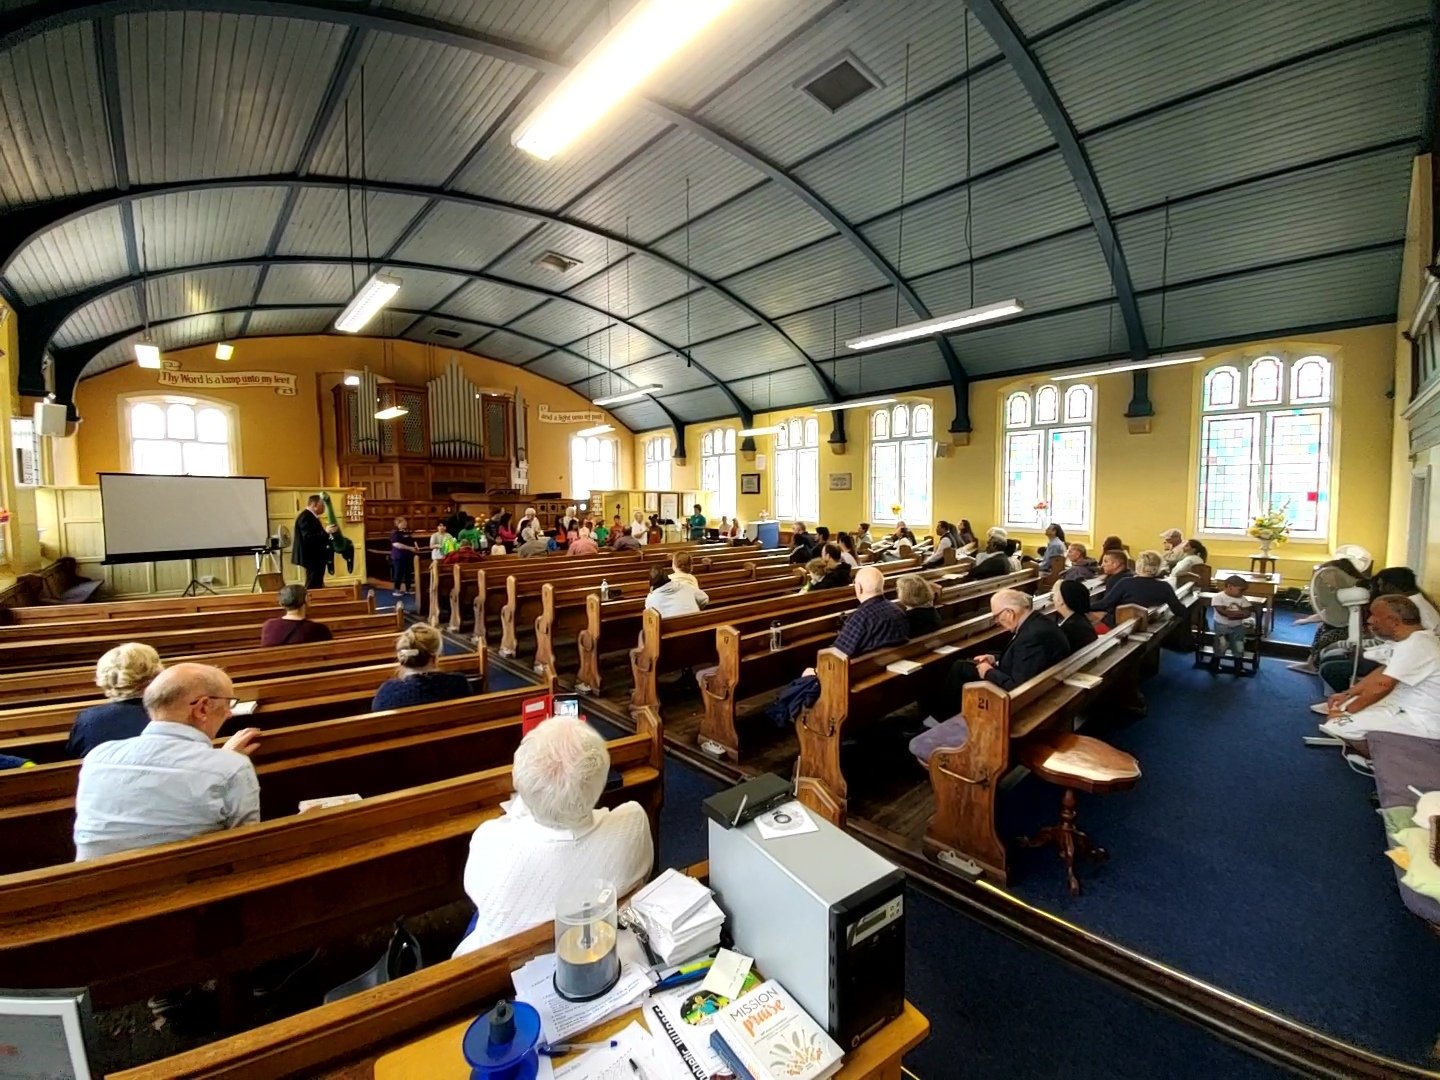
947,736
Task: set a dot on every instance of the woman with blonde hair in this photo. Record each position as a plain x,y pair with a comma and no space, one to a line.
122,674
417,681
916,598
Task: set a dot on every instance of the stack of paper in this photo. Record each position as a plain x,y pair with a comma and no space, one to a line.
679,916
561,1019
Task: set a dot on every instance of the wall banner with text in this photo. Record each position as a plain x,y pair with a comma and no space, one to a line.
547,415
279,381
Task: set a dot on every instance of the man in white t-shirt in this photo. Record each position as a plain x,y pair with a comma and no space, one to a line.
1402,696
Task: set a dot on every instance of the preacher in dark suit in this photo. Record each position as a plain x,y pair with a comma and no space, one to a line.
312,543
1036,643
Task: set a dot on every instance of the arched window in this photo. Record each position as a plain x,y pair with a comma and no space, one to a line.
1269,451
1222,388
1048,462
717,469
180,436
900,464
658,452
797,471
592,465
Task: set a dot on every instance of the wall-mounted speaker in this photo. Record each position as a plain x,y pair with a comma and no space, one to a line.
49,419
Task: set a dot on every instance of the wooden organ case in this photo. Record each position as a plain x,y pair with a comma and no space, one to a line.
452,438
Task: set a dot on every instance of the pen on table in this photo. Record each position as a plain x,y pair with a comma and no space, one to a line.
687,974
556,1049
637,1070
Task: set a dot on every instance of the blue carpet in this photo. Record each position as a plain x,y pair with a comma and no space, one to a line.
1286,630
996,1007
1247,859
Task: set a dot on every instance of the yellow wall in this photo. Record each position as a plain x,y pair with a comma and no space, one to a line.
1144,484
290,440
1417,256
22,543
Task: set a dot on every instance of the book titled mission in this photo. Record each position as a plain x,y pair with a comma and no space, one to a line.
776,1039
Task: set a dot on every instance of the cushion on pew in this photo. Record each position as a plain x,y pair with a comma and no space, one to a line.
953,733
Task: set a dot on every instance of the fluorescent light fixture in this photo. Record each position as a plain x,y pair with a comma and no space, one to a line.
224,350
352,380
373,295
391,413
629,395
147,355
1135,365
842,405
598,429
640,43
985,313
768,429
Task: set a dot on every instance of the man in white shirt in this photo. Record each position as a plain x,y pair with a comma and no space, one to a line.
1402,696
551,835
169,782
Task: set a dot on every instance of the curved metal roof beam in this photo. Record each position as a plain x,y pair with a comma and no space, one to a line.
45,320
99,345
26,224
33,20
996,21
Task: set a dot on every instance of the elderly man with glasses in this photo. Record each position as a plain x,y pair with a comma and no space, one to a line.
170,782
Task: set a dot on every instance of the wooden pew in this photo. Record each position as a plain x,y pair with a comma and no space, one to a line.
746,665
498,567
40,733
165,605
491,583
78,683
621,621
962,833
344,1039
526,603
144,922
365,754
72,651
689,641
135,627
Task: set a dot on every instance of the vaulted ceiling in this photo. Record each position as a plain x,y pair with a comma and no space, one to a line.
1144,175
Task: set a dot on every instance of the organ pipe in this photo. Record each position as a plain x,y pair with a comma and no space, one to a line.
456,425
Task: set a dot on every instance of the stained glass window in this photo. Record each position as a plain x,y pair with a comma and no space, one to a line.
1078,404
797,471
1051,462
1047,405
900,464
1274,454
592,465
179,438
1266,375
658,452
1222,388
717,469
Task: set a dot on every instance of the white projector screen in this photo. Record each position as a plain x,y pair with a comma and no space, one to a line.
152,518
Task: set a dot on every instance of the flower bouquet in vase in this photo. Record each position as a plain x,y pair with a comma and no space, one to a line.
1042,515
1270,528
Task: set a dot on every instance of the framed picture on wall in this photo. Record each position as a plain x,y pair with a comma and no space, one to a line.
750,483
840,481
652,502
669,506
47,1033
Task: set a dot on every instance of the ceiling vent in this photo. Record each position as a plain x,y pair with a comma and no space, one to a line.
553,260
446,332
839,82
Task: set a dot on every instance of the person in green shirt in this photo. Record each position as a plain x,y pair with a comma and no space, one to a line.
697,524
471,532
600,532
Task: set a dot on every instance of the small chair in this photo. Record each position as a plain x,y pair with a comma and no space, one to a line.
1076,763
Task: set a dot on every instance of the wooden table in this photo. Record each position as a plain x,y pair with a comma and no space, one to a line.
1264,585
1262,564
437,1056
